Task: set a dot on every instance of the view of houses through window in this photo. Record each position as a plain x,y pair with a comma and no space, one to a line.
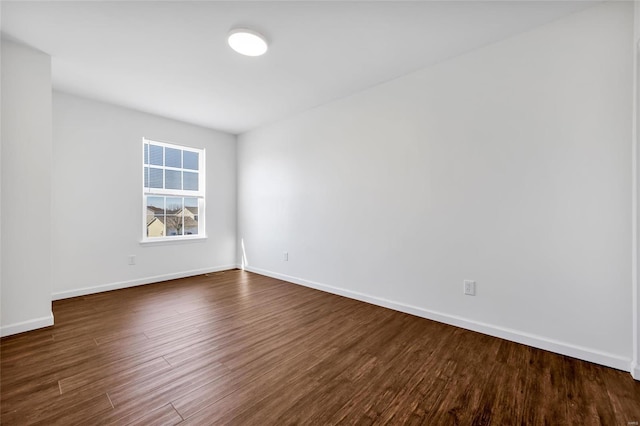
173,190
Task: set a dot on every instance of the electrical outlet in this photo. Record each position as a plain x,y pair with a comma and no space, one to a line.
285,256
132,259
469,288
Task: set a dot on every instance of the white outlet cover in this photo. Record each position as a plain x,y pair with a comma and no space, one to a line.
469,287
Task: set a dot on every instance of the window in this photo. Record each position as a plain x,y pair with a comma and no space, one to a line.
173,191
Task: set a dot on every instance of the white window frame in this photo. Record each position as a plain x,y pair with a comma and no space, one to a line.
199,194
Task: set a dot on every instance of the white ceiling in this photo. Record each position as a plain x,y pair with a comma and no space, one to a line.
171,58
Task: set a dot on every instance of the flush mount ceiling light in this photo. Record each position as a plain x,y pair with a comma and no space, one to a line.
247,42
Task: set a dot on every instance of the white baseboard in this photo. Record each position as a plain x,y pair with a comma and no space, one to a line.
586,354
21,327
635,371
140,281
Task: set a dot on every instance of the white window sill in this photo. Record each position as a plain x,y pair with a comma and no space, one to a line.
172,240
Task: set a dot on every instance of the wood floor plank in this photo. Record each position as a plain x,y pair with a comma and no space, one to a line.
470,394
175,382
136,400
109,360
421,383
21,345
61,410
88,381
25,396
205,396
379,374
240,348
624,395
585,391
505,382
38,362
221,407
163,416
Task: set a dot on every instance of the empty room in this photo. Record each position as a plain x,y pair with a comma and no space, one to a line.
319,212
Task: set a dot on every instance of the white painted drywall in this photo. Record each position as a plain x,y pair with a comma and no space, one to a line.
26,189
509,165
636,196
97,199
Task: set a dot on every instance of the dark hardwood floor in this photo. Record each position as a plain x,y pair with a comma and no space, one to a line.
239,348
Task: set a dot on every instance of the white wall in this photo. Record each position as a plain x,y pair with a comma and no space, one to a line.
97,199
509,165
636,196
26,189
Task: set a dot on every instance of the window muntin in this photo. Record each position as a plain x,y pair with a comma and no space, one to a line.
173,191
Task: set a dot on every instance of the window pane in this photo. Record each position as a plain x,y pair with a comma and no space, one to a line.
173,179
155,178
146,153
191,181
155,155
156,204
174,216
155,216
174,205
146,177
190,216
173,157
190,160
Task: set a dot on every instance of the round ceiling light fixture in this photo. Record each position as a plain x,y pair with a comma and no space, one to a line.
247,42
